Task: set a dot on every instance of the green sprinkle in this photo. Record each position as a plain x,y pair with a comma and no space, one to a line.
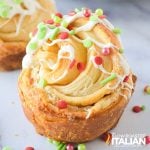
143,107
54,34
51,26
64,23
4,10
41,34
117,30
57,19
108,79
93,18
42,83
81,147
6,148
87,43
56,143
77,10
72,32
147,89
99,12
61,146
33,45
18,1
121,50
50,140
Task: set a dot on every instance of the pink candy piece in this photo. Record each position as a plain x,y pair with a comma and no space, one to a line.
87,12
70,147
63,35
106,51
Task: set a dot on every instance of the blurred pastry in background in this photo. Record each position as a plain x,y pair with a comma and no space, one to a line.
17,19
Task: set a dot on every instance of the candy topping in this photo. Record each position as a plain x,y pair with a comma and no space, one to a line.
147,89
70,147
18,1
107,137
61,104
57,19
6,148
4,10
102,17
33,45
106,51
72,32
98,60
29,148
80,66
126,79
50,21
121,50
42,83
72,64
64,23
81,147
147,139
138,109
87,43
117,30
72,13
59,15
54,34
99,12
108,79
87,12
93,18
63,35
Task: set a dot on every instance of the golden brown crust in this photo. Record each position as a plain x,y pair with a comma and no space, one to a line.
11,54
66,125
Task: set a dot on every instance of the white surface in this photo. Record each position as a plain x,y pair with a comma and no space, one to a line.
132,17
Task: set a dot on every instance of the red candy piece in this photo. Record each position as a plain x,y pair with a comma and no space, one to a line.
98,60
34,32
57,24
102,16
61,104
72,13
63,35
50,21
126,79
107,137
70,147
106,51
29,148
87,12
72,64
80,66
147,139
136,109
59,15
70,27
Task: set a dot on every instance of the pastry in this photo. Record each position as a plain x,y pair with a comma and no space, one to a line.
75,82
17,19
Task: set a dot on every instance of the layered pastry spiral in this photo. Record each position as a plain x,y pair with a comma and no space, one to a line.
75,81
17,19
